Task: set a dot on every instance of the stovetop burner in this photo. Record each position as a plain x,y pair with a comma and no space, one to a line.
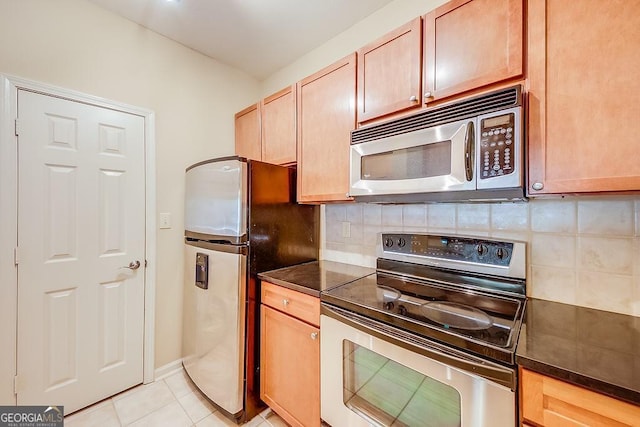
476,312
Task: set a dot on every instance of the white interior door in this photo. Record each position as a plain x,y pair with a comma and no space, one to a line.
81,219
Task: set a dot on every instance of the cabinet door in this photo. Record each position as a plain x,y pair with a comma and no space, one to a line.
390,73
248,133
326,117
583,96
470,44
550,402
278,114
290,368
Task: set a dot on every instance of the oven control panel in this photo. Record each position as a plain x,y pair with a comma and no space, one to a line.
481,251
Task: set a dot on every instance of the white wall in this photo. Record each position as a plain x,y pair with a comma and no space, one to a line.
76,45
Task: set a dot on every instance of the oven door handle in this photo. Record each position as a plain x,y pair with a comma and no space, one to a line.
502,375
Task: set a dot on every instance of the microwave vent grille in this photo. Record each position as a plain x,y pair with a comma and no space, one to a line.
472,107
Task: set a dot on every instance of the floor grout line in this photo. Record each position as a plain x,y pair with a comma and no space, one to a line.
115,416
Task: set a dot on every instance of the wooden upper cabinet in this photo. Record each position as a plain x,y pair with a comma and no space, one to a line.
550,402
326,117
583,96
248,133
390,73
278,113
470,44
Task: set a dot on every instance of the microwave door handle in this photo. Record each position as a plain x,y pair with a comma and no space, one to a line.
469,150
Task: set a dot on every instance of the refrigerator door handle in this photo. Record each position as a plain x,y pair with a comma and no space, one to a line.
217,247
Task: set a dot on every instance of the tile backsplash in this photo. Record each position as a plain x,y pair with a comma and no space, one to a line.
581,250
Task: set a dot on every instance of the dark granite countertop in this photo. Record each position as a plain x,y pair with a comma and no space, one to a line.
595,349
317,276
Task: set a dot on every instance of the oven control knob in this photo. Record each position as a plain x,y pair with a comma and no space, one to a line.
388,242
402,310
401,242
501,253
481,249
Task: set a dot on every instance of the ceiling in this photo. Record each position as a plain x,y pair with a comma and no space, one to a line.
256,36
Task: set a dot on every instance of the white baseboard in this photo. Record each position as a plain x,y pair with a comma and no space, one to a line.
168,370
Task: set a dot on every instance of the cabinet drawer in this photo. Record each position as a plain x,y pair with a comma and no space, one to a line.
547,401
304,307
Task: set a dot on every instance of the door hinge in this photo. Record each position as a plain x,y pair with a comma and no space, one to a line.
15,384
145,263
17,127
16,258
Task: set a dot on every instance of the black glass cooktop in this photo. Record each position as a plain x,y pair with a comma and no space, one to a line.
470,319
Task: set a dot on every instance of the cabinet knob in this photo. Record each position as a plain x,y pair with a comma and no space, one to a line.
285,302
413,98
314,335
428,95
537,186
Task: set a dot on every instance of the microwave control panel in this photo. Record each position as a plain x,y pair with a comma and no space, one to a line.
497,152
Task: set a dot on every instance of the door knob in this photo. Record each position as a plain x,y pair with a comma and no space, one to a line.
133,265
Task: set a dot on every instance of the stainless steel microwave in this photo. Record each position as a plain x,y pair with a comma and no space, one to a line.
467,150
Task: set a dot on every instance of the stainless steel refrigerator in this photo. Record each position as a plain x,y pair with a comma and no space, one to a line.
241,218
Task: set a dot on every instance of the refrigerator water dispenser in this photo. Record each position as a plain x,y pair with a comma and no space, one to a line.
202,270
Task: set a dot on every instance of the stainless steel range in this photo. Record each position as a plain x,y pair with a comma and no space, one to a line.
429,339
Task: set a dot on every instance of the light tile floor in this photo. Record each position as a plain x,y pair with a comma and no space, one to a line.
173,402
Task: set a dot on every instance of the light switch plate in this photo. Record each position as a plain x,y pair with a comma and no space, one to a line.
165,220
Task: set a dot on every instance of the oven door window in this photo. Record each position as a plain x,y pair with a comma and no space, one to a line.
424,161
387,393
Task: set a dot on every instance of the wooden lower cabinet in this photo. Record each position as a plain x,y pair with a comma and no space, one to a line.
290,363
546,401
